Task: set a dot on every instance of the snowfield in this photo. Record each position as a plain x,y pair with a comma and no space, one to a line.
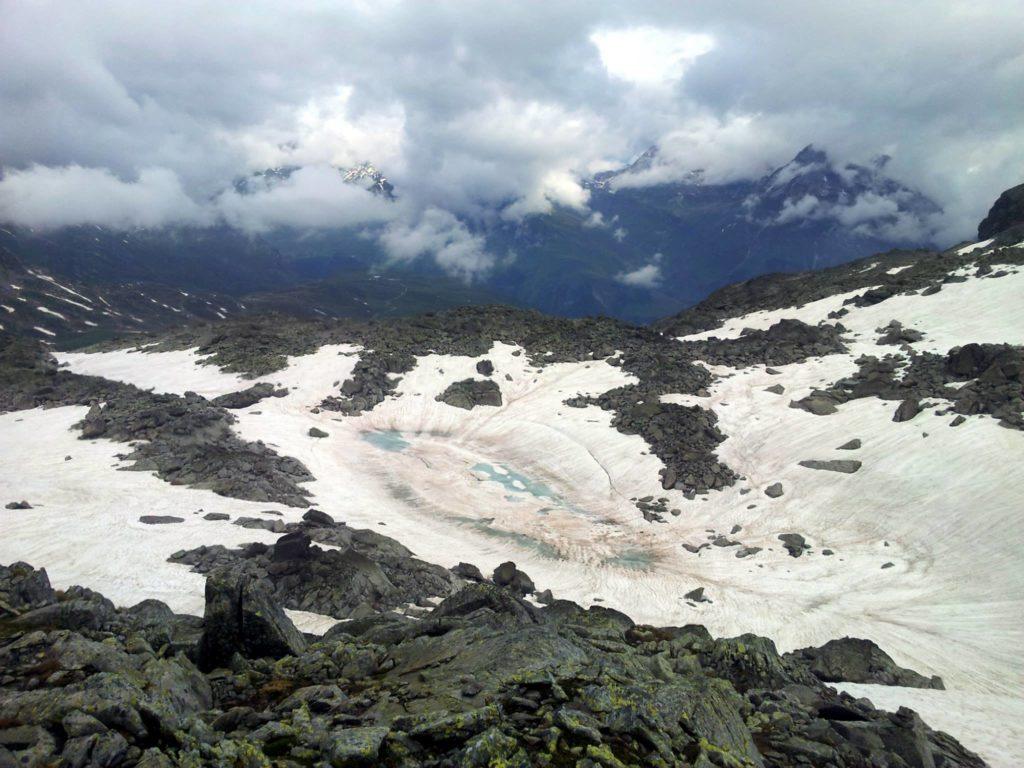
550,487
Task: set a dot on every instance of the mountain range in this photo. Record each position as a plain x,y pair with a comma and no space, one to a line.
641,250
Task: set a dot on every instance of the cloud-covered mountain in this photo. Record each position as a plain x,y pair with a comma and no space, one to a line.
641,248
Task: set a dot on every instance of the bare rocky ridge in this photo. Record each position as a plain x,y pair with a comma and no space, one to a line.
485,679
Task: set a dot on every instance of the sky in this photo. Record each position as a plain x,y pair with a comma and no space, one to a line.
141,114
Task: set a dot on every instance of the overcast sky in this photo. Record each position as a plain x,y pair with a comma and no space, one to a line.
140,113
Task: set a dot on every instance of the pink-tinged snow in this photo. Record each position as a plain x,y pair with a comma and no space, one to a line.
944,505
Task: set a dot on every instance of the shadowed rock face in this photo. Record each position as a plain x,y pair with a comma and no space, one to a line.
485,679
1006,212
242,617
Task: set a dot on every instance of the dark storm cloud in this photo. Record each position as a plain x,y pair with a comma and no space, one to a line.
486,109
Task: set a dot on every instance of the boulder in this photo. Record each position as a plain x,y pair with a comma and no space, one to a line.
507,575
316,517
291,546
855,660
160,519
907,410
469,393
17,505
485,367
242,617
468,571
794,543
314,432
774,490
846,466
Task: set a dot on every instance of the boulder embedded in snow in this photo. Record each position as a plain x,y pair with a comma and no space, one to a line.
853,660
794,543
470,393
241,616
907,410
774,490
314,432
819,403
850,445
697,595
17,505
485,367
775,389
846,466
160,519
248,397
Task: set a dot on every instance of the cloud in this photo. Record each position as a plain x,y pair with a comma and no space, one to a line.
313,197
479,109
47,198
649,56
439,234
647,276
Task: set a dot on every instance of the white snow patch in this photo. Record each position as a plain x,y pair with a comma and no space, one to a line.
897,270
70,301
974,246
177,371
43,330
48,311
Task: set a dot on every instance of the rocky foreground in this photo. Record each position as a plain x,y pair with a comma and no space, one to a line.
485,678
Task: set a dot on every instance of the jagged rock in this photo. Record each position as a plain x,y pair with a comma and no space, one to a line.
907,410
468,571
469,393
356,747
775,389
291,546
316,517
850,445
507,575
774,490
216,516
697,595
486,597
794,543
846,466
895,333
17,505
241,616
747,551
854,660
485,367
1006,212
485,679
